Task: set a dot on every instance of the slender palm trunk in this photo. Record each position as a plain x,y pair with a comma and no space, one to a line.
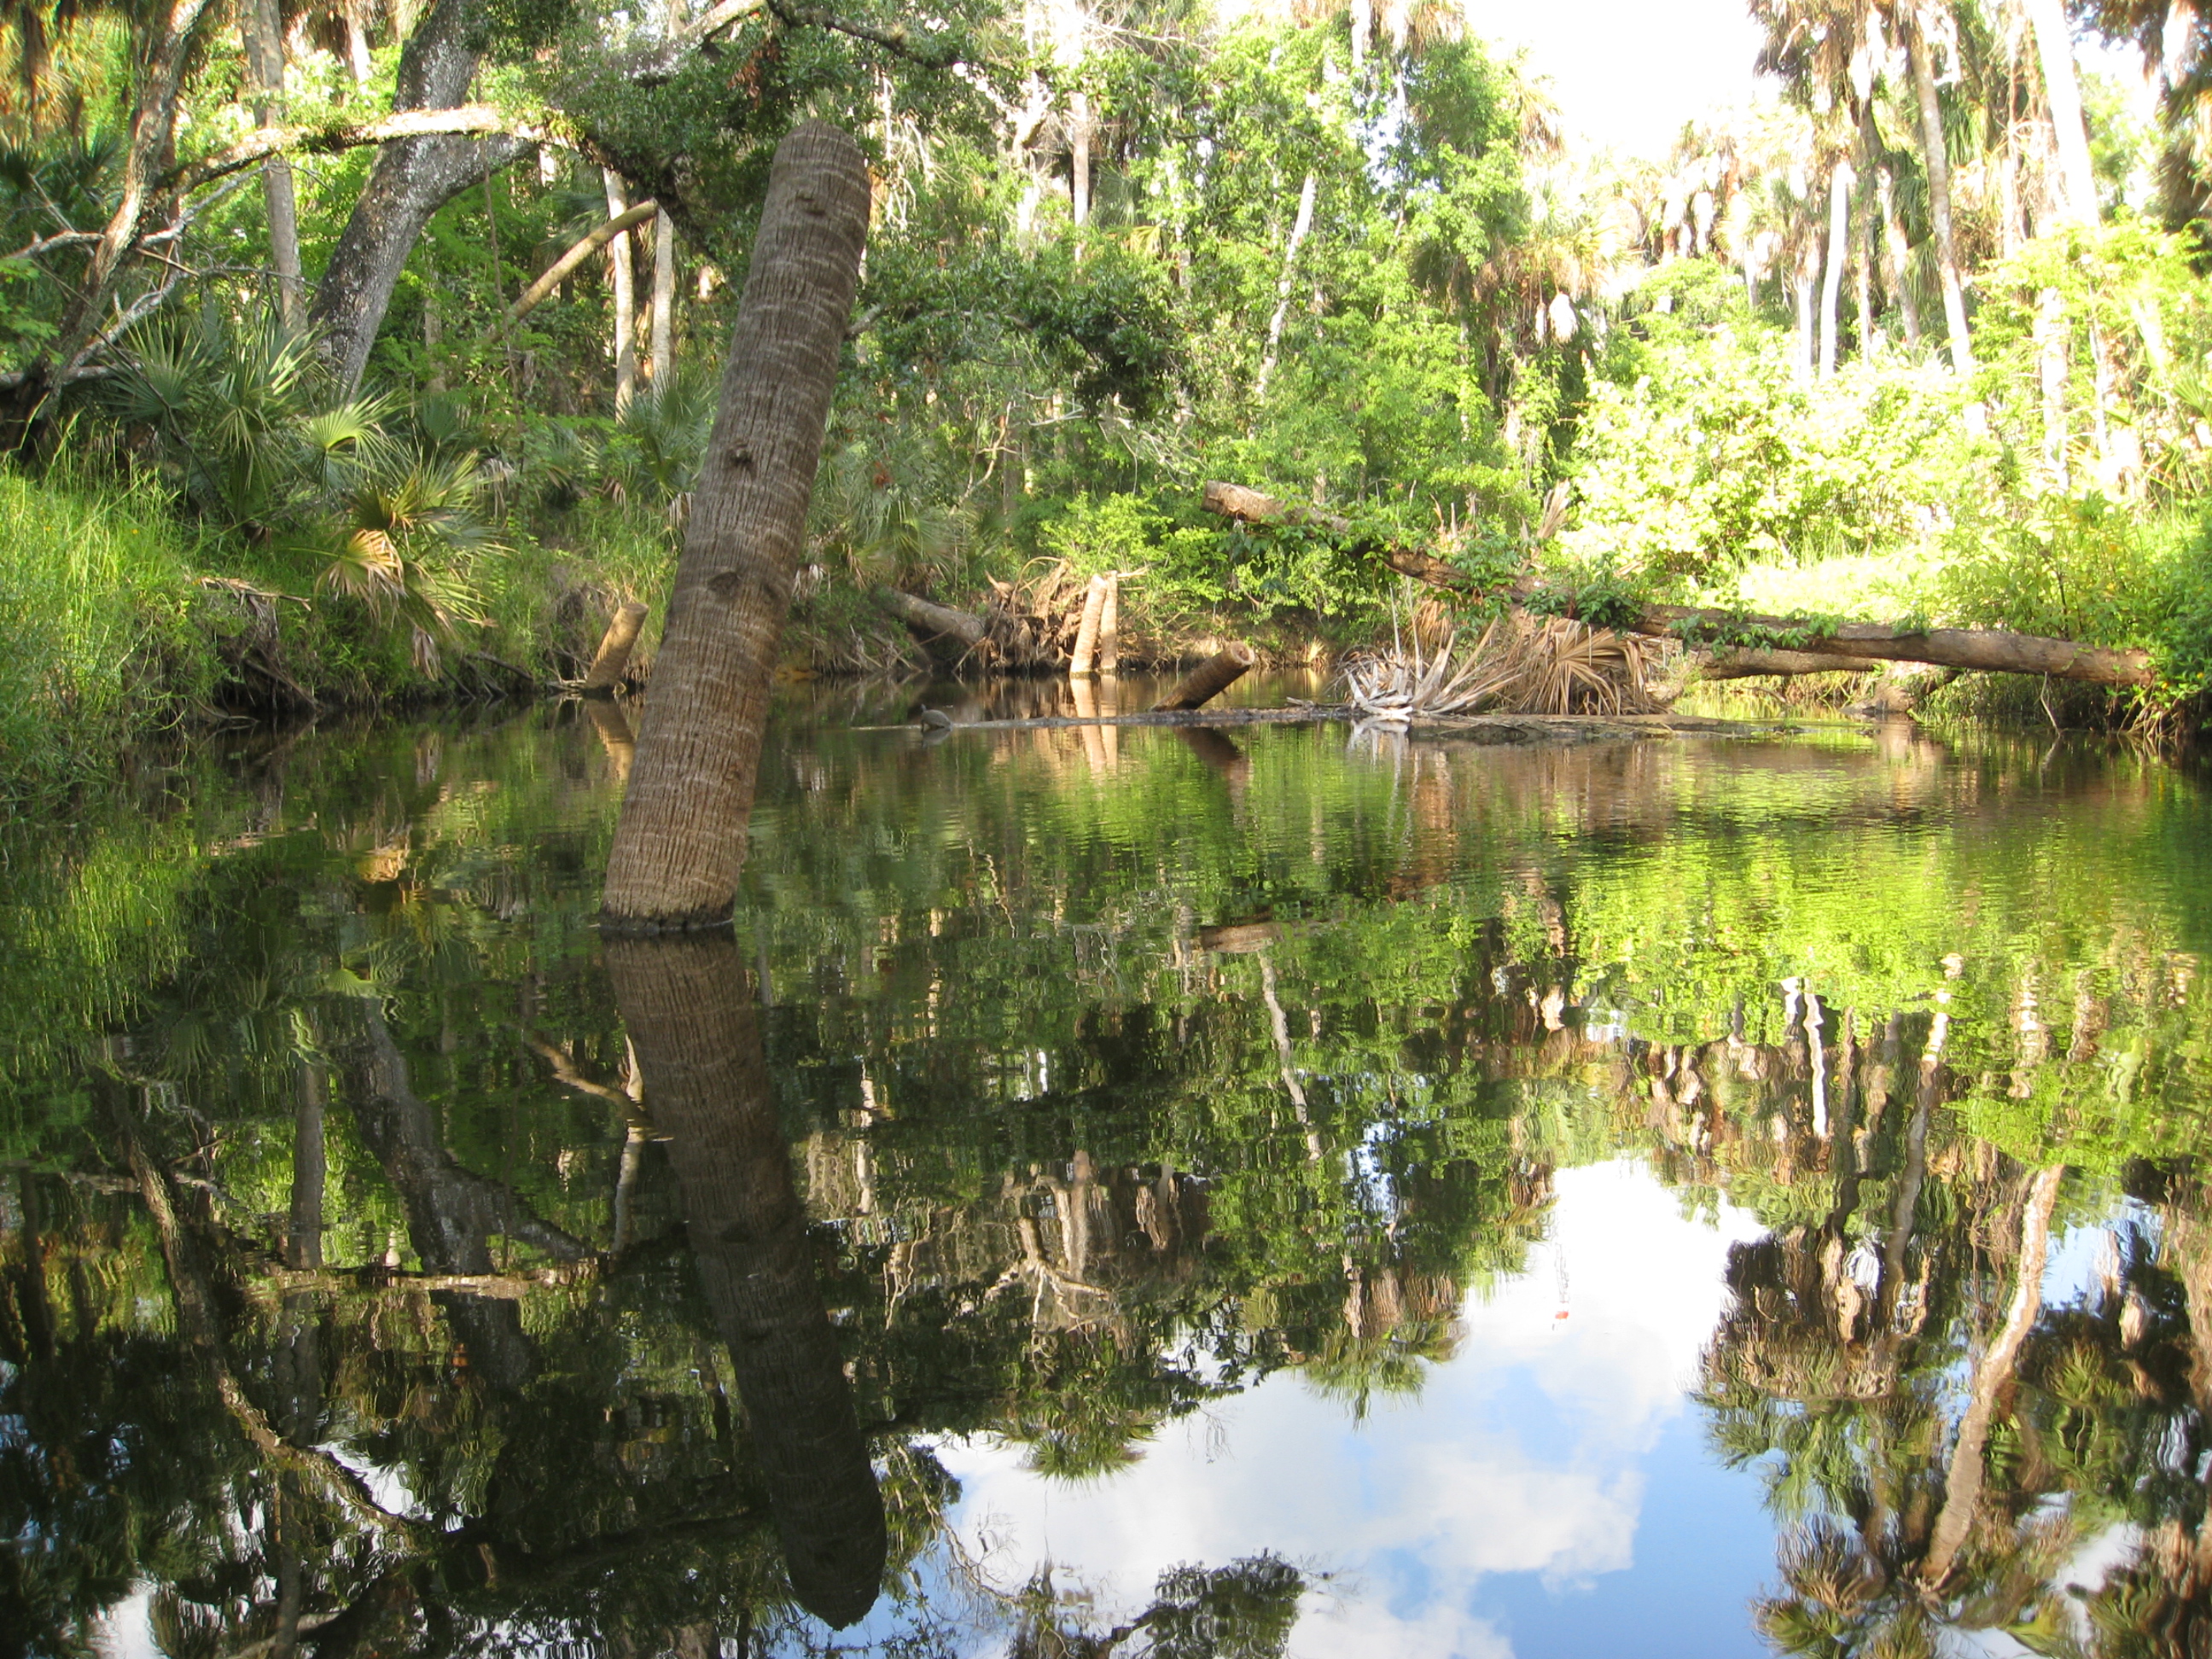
1901,281
1863,235
264,72
2061,92
681,839
623,269
664,299
1937,155
1839,250
1808,270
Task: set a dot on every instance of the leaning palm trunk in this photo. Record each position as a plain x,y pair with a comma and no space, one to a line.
681,839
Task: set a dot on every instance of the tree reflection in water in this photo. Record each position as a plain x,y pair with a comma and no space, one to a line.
390,1268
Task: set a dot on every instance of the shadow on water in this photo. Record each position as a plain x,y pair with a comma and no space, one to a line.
388,1265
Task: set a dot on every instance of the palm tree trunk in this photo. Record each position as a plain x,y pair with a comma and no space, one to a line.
1900,261
1862,233
1808,276
1962,1491
264,72
680,842
624,287
1839,250
1937,155
664,299
2061,92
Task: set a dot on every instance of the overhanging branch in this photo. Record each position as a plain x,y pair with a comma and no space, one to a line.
469,119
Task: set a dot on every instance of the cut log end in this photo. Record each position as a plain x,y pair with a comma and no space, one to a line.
1209,678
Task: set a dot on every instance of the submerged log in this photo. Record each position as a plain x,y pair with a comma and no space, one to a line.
1990,650
934,621
612,661
1209,678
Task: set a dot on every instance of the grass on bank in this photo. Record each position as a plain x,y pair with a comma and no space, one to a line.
99,589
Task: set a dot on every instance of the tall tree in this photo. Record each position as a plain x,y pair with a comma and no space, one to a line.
681,841
1935,154
2062,91
264,72
409,180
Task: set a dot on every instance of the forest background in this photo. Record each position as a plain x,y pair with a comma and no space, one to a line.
365,353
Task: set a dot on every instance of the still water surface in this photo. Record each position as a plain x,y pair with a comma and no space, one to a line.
1114,1192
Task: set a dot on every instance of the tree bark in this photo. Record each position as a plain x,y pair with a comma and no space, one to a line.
680,842
612,661
1839,250
2061,92
1937,155
1109,626
1990,650
1747,664
687,1007
623,272
264,73
1209,679
409,180
661,366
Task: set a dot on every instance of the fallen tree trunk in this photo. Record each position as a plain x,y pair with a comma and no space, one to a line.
1749,665
934,620
1209,678
1990,650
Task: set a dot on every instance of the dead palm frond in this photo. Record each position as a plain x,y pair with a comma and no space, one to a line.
1521,664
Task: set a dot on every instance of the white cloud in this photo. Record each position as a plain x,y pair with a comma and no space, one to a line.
1521,1455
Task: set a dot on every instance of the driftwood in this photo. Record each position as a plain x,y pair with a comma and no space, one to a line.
612,661
1990,650
1209,678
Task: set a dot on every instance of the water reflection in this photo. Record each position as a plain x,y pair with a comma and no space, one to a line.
699,1052
1113,1199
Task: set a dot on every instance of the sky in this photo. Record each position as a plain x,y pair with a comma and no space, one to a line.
1628,73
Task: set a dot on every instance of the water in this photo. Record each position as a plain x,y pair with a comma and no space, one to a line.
1114,1192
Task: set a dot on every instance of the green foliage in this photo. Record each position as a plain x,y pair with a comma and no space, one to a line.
100,593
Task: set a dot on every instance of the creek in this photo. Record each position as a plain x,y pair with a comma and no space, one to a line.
1291,1191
